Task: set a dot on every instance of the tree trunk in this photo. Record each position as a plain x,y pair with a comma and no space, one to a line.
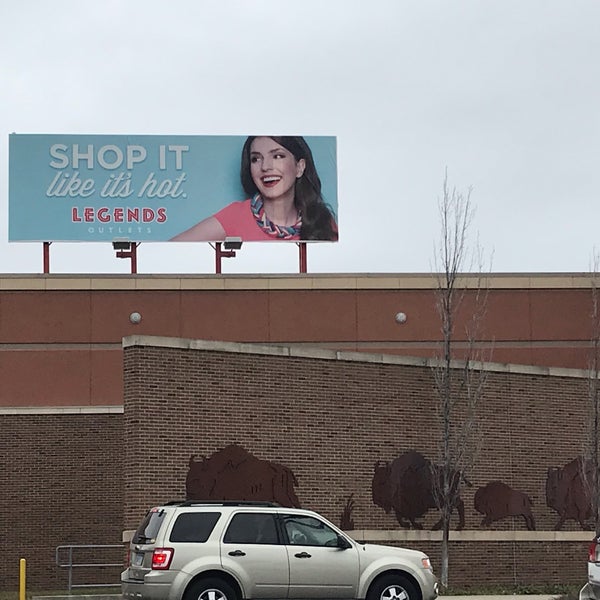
445,553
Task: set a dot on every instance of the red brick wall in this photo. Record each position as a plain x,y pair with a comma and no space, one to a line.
61,482
331,420
72,343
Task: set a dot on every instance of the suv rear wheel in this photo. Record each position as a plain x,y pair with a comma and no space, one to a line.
211,589
393,587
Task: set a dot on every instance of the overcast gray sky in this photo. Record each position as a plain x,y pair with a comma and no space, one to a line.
505,94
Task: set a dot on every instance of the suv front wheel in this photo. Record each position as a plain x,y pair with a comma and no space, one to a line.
393,587
211,589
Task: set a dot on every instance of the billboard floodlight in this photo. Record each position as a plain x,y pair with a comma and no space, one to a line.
232,243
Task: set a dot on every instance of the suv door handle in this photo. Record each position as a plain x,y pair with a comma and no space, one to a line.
302,555
237,553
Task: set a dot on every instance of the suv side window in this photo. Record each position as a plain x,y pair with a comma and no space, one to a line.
252,528
308,531
194,527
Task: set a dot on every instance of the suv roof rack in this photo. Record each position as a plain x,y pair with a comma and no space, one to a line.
221,503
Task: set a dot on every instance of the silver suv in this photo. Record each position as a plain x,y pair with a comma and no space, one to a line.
241,550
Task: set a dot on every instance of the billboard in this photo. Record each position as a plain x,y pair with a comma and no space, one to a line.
159,188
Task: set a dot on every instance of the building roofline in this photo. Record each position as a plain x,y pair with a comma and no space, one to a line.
283,282
62,410
325,354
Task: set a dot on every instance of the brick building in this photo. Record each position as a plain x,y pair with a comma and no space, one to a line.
70,410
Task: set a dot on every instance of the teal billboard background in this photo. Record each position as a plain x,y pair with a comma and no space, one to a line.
130,187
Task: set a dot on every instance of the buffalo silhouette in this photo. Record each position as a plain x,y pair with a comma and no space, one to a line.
234,474
496,500
567,492
406,486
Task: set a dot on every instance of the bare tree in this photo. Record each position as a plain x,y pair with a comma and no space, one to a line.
459,374
590,465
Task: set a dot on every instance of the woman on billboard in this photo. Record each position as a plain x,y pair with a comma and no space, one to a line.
284,197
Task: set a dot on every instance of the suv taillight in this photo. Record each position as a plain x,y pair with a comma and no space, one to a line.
594,552
162,557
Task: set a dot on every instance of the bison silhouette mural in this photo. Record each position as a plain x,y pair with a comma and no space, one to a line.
406,486
567,493
496,501
234,474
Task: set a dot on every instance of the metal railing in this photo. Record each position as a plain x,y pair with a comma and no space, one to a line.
64,560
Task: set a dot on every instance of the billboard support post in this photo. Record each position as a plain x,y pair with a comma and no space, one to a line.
47,257
127,250
302,256
219,254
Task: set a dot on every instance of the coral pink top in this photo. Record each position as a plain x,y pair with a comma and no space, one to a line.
238,221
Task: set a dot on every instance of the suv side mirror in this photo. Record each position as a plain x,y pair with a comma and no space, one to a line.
343,543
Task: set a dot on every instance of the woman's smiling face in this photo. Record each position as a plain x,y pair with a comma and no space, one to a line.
274,169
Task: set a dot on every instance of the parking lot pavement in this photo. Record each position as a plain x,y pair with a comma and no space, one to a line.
474,597
504,597
80,597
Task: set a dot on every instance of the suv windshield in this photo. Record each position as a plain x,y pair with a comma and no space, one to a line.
146,532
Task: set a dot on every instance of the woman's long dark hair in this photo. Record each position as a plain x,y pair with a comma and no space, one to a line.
318,221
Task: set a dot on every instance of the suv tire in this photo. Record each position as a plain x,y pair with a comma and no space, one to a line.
212,588
392,587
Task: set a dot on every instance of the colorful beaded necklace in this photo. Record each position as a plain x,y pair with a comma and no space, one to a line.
281,232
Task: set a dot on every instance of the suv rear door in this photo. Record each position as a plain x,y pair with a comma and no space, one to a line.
252,550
